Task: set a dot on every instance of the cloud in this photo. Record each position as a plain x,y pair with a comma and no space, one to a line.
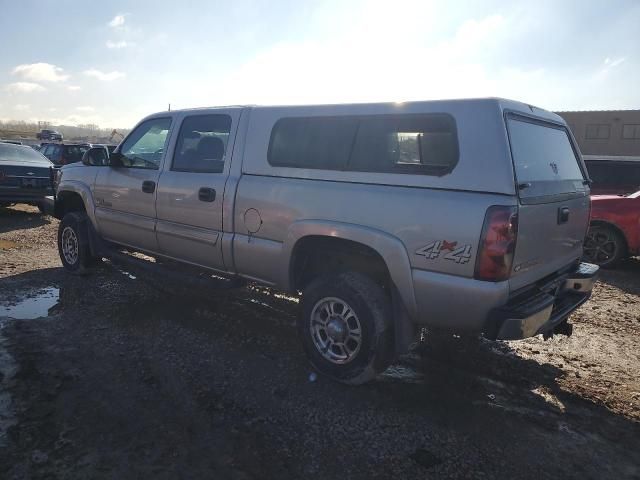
120,44
613,63
25,87
85,109
21,107
73,88
608,65
117,21
103,76
306,72
40,72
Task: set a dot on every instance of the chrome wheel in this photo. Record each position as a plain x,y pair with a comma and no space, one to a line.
601,246
70,245
335,330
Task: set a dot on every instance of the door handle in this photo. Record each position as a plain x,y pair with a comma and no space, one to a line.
206,194
563,215
148,186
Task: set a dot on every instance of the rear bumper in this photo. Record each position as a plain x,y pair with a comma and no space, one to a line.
540,311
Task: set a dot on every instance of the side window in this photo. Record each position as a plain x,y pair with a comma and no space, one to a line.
422,144
313,142
202,144
54,152
598,132
144,147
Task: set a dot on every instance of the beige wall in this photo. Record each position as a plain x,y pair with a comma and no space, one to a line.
599,124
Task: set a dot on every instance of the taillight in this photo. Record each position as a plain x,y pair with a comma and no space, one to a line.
497,244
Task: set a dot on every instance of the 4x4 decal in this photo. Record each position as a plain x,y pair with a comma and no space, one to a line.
455,254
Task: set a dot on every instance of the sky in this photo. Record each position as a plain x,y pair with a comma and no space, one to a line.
112,63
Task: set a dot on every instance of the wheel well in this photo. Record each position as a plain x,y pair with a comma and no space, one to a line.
602,223
317,255
68,202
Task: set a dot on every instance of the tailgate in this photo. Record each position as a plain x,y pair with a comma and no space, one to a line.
554,199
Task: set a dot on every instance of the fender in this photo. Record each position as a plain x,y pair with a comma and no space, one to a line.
390,248
84,191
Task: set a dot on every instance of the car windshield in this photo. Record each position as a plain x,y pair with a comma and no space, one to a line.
19,153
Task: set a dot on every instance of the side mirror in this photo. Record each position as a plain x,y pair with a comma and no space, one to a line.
96,157
115,160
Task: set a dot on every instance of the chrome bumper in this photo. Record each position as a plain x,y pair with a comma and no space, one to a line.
540,311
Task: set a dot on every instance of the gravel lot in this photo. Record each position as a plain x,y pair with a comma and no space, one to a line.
118,380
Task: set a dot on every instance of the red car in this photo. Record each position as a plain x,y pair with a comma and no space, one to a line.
615,229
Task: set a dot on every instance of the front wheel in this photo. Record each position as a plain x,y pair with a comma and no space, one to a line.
604,246
73,243
346,328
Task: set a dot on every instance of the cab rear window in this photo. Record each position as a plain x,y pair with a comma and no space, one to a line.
544,160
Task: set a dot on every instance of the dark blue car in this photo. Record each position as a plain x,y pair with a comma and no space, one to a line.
25,176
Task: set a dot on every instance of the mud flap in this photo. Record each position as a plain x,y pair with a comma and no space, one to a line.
405,332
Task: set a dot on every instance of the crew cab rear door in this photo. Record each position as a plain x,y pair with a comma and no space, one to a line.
553,215
191,188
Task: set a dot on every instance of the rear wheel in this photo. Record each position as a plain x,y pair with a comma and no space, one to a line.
604,246
345,327
73,243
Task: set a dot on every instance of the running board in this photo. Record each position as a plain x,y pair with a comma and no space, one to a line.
183,275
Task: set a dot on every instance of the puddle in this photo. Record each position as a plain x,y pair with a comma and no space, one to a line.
402,373
31,307
7,244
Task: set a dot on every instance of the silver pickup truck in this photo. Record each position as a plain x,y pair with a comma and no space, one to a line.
466,216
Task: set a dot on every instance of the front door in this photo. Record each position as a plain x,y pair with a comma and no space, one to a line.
125,193
191,189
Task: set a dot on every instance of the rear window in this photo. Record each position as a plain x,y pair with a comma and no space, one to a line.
74,153
545,162
614,174
423,144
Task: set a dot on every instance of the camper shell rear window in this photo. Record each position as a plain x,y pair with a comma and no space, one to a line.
544,159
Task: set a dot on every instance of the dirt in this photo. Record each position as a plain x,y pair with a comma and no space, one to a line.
106,377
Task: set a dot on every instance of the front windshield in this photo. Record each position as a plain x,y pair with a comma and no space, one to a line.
19,153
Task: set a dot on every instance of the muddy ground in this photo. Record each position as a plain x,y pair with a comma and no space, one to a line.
117,380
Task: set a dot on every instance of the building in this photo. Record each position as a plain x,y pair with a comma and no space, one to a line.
606,132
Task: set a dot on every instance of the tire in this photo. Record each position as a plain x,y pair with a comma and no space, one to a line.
604,246
331,341
41,208
73,243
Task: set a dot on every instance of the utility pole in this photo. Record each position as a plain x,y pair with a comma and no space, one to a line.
169,107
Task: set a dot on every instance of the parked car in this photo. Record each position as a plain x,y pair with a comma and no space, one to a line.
25,176
466,215
64,153
612,175
614,233
49,135
110,148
